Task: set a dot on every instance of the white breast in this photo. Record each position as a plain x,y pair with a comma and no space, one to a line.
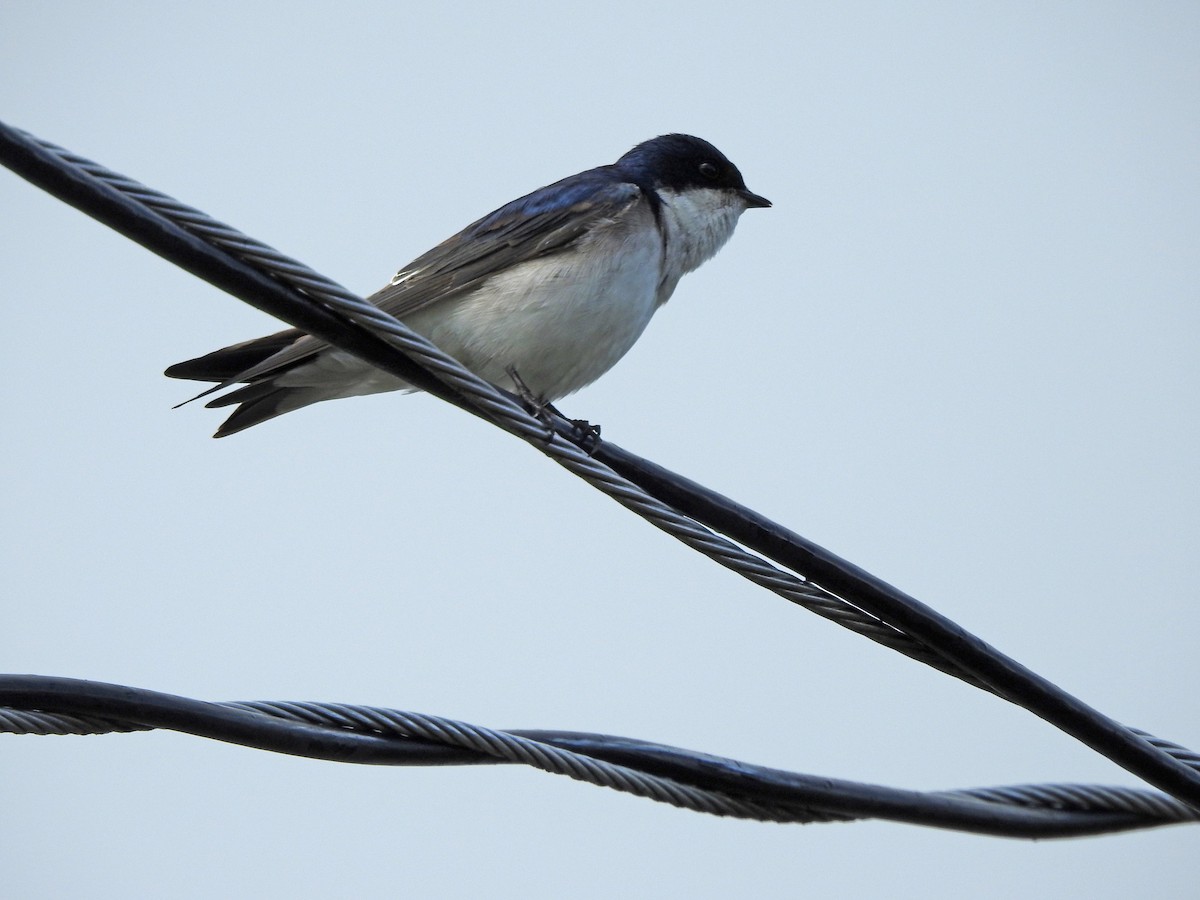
562,321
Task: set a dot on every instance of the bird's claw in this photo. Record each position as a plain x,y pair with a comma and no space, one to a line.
588,435
534,405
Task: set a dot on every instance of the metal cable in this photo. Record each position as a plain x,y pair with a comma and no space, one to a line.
1085,798
682,778
511,748
511,416
1189,758
876,609
36,721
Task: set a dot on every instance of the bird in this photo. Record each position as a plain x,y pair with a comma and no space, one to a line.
541,296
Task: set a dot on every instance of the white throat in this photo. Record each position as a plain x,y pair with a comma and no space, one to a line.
697,223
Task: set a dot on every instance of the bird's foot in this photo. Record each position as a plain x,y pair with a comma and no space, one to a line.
535,405
588,435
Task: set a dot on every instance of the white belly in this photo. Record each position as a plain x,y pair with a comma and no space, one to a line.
561,322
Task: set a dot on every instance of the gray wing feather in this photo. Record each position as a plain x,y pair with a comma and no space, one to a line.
513,234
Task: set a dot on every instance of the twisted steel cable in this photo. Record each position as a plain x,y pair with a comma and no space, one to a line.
904,624
686,779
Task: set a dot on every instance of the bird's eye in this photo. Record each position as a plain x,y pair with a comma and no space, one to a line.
709,170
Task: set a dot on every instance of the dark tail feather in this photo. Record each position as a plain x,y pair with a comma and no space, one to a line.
248,394
260,402
226,364
215,387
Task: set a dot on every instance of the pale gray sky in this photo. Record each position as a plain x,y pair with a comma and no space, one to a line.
961,351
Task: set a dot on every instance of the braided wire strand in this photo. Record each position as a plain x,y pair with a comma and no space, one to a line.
1085,798
1176,751
515,749
449,732
504,746
502,409
41,722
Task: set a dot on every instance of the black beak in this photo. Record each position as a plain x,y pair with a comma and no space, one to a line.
753,200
